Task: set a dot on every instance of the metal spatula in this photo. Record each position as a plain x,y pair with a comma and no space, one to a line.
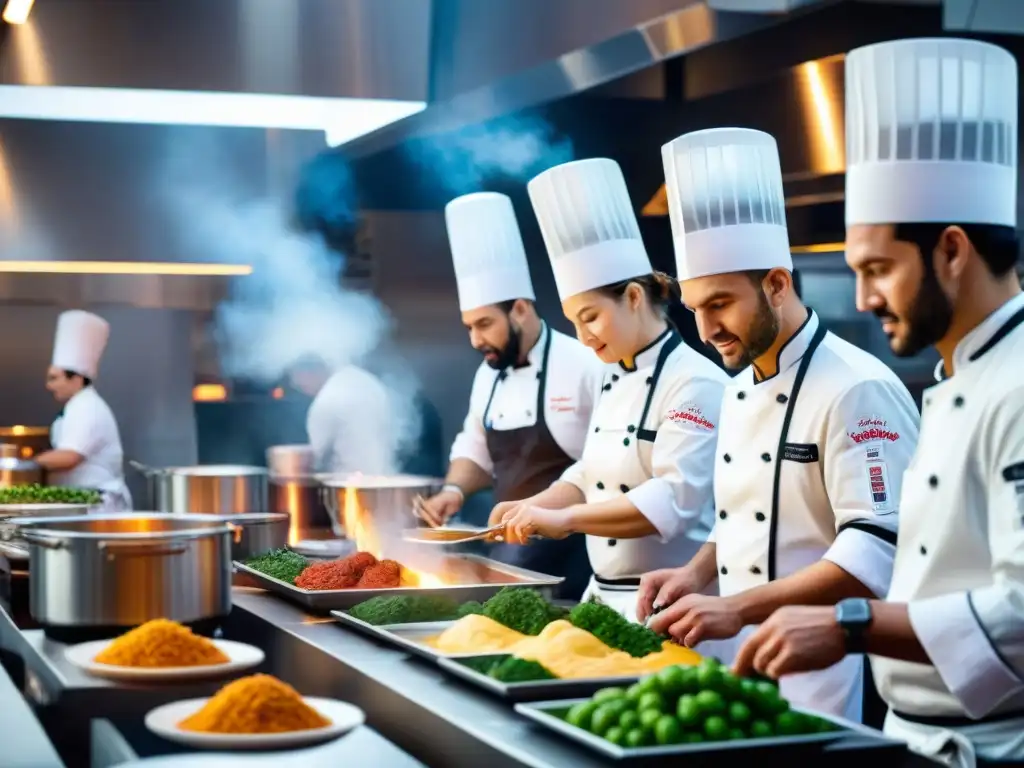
445,535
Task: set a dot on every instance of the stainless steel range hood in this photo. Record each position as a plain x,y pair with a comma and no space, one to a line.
642,45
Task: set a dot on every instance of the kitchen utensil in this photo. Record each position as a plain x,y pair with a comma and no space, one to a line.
112,572
386,500
291,461
449,535
213,489
163,721
240,657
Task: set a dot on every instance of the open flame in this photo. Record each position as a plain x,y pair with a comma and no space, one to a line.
360,528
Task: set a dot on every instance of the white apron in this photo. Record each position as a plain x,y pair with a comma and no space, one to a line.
775,511
617,455
960,747
115,496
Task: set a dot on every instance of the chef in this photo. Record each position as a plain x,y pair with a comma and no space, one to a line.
815,433
86,445
532,395
642,490
351,422
931,235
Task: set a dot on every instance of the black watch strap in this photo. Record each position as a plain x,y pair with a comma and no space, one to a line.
854,617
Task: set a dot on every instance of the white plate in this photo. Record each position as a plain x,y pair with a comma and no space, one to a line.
163,721
241,657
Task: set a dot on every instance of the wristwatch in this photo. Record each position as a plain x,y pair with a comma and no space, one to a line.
854,617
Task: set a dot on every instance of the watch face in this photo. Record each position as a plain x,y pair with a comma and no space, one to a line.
854,612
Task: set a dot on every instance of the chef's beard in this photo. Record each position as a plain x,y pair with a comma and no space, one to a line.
761,334
927,320
509,355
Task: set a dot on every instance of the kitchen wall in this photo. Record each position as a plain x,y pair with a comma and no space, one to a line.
145,377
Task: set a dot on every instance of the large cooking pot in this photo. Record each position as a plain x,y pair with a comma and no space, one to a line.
388,500
210,489
15,470
295,491
11,545
107,573
256,533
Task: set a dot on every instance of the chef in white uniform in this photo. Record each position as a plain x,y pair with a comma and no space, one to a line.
815,433
86,444
351,422
642,490
931,234
532,395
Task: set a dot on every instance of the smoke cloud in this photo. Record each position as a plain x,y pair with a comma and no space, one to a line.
513,148
293,305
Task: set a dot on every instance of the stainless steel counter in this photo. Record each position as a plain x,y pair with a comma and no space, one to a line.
433,718
23,742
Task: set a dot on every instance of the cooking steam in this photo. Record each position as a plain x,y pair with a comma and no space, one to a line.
467,160
293,305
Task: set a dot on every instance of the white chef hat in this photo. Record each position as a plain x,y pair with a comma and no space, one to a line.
725,202
589,225
487,250
931,133
79,342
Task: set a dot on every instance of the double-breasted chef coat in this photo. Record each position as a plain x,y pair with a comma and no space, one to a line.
960,561
526,425
653,439
87,427
352,424
808,467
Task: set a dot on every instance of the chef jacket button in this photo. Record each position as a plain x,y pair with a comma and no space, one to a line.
529,413
606,387
958,402
624,488
600,485
615,377
724,571
780,398
741,395
933,481
597,429
927,401
625,441
612,542
924,550
727,458
759,516
766,457
650,380
755,570
631,429
722,514
540,375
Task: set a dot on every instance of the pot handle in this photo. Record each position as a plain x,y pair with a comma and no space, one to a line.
40,541
145,469
141,549
236,532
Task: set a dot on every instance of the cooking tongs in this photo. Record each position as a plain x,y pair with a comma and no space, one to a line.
445,535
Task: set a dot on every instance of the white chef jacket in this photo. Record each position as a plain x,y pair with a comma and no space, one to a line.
960,561
573,382
852,432
352,425
669,477
87,427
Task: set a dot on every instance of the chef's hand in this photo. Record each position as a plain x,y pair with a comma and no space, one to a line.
695,618
659,589
503,511
440,508
529,520
793,639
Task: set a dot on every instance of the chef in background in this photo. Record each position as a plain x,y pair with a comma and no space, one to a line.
642,490
532,395
931,235
816,433
351,422
86,444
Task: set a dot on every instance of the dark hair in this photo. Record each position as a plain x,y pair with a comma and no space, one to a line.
662,290
998,246
86,381
506,306
757,276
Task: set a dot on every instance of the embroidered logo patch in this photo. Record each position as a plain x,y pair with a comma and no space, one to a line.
871,428
691,414
805,453
878,481
561,404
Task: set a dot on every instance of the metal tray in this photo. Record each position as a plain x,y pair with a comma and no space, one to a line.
542,713
408,637
499,575
541,690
